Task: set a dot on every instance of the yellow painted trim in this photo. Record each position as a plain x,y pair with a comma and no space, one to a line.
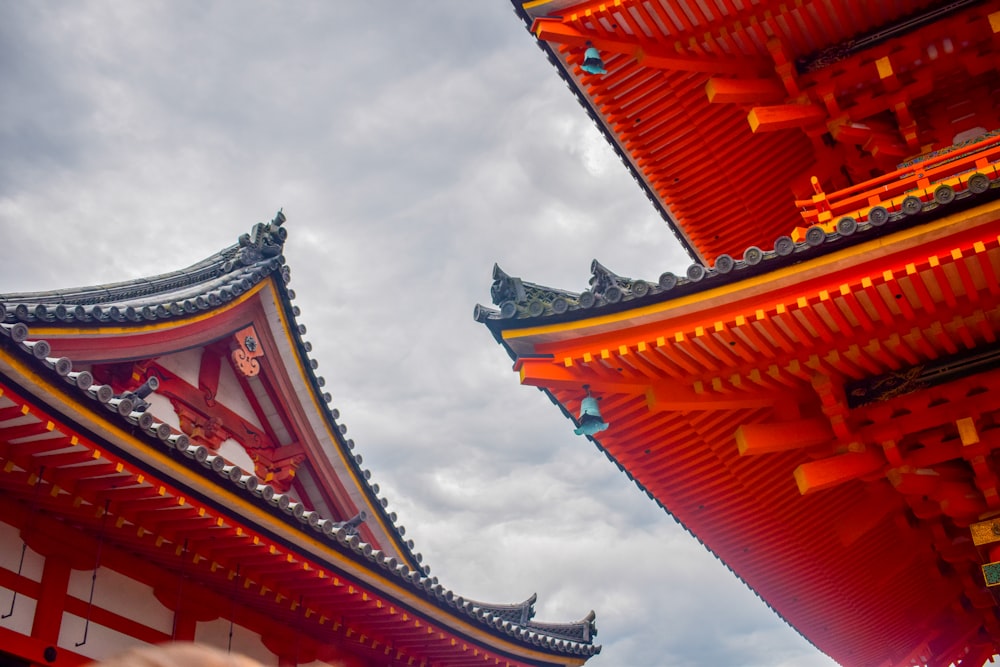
531,4
884,67
172,323
244,510
759,282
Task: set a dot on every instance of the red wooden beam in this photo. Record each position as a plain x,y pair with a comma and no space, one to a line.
554,30
785,116
782,436
828,472
744,91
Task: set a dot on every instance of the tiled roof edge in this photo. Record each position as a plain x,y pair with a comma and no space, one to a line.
201,286
523,304
519,612
339,534
339,431
581,631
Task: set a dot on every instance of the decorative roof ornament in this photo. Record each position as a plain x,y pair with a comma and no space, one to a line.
590,419
505,287
520,613
517,297
352,524
612,287
264,241
583,630
138,397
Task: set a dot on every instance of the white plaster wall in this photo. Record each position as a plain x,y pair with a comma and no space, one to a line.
163,410
22,614
102,642
10,554
234,452
216,633
124,596
184,365
232,396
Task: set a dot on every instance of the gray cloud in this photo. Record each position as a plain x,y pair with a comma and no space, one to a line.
412,145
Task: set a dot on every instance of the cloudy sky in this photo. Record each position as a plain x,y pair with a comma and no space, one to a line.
412,145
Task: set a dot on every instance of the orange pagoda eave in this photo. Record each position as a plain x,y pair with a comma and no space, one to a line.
813,397
823,420
174,430
725,111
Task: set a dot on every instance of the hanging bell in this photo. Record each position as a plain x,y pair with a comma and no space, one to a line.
590,417
592,63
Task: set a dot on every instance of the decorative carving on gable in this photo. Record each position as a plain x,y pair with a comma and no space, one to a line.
202,429
206,421
247,351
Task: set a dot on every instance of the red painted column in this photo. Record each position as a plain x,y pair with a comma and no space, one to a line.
184,626
291,648
51,600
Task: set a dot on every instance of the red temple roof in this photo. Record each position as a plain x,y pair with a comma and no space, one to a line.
814,397
302,541
724,110
805,422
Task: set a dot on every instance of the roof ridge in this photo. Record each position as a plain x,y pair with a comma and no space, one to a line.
204,284
522,303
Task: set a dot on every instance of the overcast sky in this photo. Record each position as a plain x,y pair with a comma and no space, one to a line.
412,145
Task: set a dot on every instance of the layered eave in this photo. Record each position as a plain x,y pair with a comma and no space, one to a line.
721,111
762,407
178,505
185,304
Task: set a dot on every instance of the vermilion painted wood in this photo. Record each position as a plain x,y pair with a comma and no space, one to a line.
908,81
849,521
155,531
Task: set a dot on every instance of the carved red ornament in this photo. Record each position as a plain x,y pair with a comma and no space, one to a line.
245,356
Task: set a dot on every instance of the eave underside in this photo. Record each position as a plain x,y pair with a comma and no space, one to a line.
850,520
712,109
56,477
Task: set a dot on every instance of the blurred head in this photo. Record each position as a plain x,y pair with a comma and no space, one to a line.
181,654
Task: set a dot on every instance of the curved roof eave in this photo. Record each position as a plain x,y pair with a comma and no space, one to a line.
203,286
522,305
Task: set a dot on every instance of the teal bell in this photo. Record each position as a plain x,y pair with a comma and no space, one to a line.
592,63
590,417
